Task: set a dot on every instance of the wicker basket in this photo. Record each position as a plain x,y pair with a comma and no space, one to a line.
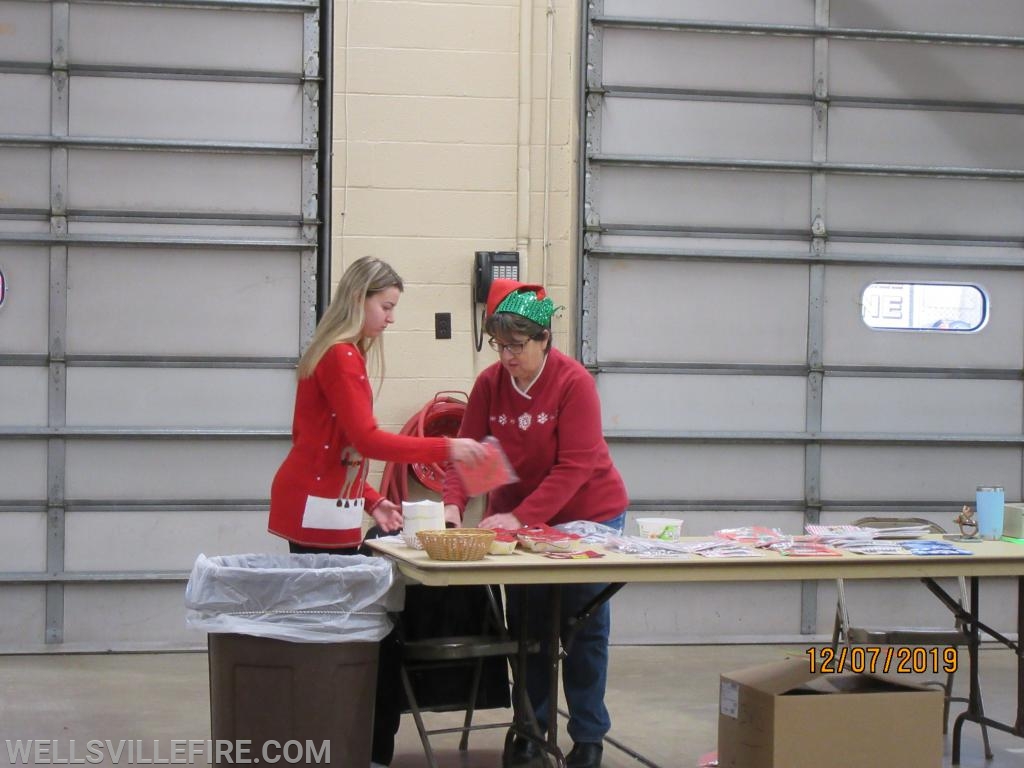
456,543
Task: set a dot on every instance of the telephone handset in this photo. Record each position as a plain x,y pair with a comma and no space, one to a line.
489,266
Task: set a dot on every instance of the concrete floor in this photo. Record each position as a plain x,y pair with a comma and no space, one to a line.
663,700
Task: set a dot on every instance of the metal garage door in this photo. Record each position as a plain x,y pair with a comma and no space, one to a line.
749,169
158,208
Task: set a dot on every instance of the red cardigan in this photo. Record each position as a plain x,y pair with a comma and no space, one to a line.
334,434
553,439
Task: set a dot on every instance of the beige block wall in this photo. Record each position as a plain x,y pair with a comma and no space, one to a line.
440,130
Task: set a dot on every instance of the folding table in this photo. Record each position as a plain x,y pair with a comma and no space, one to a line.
988,559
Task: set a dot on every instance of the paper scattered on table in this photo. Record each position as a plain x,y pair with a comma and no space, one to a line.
804,546
584,554
933,548
905,532
874,548
644,547
754,536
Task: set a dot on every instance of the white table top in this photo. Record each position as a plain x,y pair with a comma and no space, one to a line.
989,558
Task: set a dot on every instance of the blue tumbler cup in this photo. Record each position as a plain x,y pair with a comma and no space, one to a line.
989,501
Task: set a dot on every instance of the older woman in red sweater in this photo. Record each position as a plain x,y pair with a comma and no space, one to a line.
544,409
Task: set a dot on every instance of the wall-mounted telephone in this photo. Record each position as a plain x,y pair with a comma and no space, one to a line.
489,266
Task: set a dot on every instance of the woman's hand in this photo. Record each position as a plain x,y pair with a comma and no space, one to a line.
388,516
452,515
466,451
507,521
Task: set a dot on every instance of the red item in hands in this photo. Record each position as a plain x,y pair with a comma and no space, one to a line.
493,472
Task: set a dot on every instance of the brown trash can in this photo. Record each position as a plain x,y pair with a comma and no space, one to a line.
291,703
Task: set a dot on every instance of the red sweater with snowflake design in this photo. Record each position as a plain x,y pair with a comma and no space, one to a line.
553,439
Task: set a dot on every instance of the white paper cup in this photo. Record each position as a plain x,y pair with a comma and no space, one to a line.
666,528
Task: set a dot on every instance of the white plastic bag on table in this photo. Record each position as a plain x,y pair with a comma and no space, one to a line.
302,598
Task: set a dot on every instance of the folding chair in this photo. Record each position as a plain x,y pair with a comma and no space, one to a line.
956,636
440,653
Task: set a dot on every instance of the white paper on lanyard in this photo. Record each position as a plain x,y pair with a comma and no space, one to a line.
332,514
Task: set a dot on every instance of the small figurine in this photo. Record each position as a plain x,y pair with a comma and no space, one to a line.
968,525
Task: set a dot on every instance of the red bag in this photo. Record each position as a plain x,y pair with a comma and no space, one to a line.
493,472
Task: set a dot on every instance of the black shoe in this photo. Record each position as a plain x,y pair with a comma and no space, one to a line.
586,754
522,754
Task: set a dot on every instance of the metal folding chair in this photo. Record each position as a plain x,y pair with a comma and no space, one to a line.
452,652
848,633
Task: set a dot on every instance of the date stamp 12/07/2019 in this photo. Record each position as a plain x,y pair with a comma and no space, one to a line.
874,659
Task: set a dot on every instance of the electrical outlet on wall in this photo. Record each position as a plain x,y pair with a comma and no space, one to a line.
442,325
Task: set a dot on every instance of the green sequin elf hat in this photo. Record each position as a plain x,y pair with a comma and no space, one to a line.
530,301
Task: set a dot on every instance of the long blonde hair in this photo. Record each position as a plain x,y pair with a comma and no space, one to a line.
343,320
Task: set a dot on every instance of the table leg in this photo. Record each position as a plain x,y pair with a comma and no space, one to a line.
554,658
1019,724
524,722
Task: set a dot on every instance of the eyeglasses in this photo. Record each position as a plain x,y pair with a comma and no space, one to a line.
515,349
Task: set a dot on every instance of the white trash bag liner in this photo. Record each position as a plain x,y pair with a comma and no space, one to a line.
304,598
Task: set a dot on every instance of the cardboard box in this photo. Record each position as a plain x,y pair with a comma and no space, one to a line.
1013,520
782,716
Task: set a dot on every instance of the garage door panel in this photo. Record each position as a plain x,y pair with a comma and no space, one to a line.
185,109
715,129
196,302
703,199
190,38
926,138
917,473
23,470
151,614
982,17
704,613
702,402
729,472
179,183
32,23
788,11
679,60
24,612
204,230
936,406
122,540
760,309
24,401
32,95
954,253
22,542
219,398
849,341
24,178
908,70
172,469
667,242
925,206
26,316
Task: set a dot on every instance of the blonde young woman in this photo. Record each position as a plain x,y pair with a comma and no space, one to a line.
320,494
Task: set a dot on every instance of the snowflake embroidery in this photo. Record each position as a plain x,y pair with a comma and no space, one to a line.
542,418
524,421
503,419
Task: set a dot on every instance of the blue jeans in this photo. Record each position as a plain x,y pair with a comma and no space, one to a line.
585,667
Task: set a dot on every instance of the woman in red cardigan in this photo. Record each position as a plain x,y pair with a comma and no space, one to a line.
320,494
543,408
